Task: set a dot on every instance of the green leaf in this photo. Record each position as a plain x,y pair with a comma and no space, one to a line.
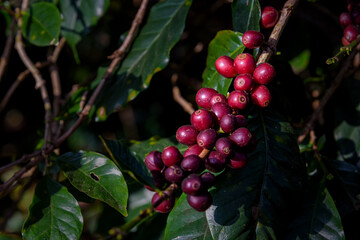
246,15
97,176
54,213
5,236
255,200
148,55
317,218
41,24
79,16
228,43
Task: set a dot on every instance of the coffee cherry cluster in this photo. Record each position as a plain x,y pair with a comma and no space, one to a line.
350,21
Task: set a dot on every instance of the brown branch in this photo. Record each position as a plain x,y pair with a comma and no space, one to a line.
7,50
334,85
178,97
24,158
270,47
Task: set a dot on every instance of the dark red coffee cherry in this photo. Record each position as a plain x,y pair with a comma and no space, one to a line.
217,98
344,41
165,206
269,17
253,39
220,109
174,174
171,156
192,184
187,135
203,97
244,63
153,161
200,202
264,73
345,19
228,123
193,150
202,119
238,160
241,137
240,121
192,163
351,32
215,162
207,138
244,82
208,180
225,66
224,146
355,14
159,179
238,100
261,96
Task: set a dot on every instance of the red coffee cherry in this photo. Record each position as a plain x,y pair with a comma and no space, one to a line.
192,184
344,41
269,17
200,202
159,179
174,174
202,119
253,39
165,206
192,163
351,32
244,63
225,66
193,149
218,97
244,82
264,73
215,162
241,137
224,146
238,100
207,138
153,161
171,156
261,96
228,123
203,97
187,135
238,160
221,109
345,19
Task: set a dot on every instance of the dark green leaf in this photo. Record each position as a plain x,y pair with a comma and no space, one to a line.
317,218
54,213
148,55
5,236
97,176
225,43
246,15
41,24
255,200
79,16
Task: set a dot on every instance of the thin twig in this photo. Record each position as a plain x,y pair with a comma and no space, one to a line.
270,47
7,50
187,106
24,158
344,51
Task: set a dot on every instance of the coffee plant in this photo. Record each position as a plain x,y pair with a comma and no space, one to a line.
179,119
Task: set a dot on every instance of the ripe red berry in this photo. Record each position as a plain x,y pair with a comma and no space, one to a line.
269,17
187,135
228,123
224,146
153,161
174,174
264,73
244,82
192,184
193,149
221,109
238,100
165,206
345,19
241,137
171,156
203,97
202,119
200,202
207,138
244,63
261,96
344,41
215,162
253,39
238,160
208,180
225,66
218,97
351,32
240,121
192,163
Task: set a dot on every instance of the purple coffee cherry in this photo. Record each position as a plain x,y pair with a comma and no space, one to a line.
241,137
215,162
201,201
192,184
238,160
207,138
208,180
165,206
153,161
187,135
220,109
224,146
174,174
192,163
228,123
193,149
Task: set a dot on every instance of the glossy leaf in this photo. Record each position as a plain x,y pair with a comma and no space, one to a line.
41,24
148,55
255,200
79,16
54,213
228,43
246,15
317,218
97,176
132,156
